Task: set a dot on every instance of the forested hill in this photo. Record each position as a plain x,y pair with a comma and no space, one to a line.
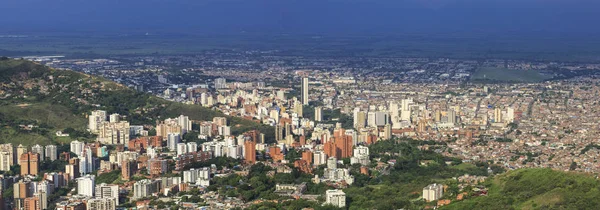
51,100
537,189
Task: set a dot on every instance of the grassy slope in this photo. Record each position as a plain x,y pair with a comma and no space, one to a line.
60,109
537,189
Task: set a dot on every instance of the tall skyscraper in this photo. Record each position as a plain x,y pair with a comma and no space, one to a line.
510,115
29,163
405,109
451,116
86,163
305,91
51,152
250,152
86,185
497,115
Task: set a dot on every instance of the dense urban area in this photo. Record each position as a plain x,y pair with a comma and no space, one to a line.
258,130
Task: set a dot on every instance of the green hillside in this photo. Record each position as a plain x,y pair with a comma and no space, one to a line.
537,189
54,100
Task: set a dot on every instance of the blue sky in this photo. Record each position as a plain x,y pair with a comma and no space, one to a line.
540,17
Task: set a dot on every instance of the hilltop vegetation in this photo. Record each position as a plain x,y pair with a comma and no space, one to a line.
54,100
537,189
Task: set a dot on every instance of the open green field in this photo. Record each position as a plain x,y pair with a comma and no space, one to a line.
54,117
507,75
59,117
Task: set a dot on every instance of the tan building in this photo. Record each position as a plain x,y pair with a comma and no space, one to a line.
20,150
29,163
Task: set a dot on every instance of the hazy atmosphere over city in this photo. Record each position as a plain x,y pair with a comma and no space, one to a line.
313,104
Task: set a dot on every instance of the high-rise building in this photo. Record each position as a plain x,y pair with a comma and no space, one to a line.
163,129
332,163
29,163
278,132
192,147
220,83
394,109
318,114
77,147
360,156
510,115
95,120
387,132
172,140
86,161
335,198
86,185
320,158
23,190
451,116
307,156
360,120
39,150
156,167
8,148
433,192
497,115
73,168
5,161
405,112
185,123
305,91
20,151
51,152
144,188
114,118
114,133
128,169
250,152
111,191
181,149
32,203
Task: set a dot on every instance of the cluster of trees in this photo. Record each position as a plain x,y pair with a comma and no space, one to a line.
109,177
407,177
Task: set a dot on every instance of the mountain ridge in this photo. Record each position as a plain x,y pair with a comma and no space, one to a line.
53,100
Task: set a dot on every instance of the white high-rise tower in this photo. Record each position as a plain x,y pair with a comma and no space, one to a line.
305,91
